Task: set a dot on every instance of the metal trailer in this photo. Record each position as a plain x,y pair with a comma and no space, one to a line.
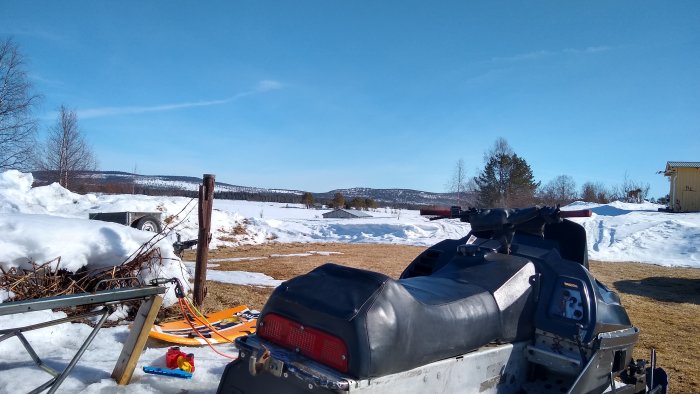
147,221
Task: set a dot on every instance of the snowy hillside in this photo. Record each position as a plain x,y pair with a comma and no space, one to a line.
167,182
164,184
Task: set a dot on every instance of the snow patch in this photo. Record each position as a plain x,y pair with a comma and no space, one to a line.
243,278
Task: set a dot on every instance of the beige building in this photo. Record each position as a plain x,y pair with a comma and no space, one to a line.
684,177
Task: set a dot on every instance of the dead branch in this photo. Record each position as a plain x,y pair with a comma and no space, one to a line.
49,280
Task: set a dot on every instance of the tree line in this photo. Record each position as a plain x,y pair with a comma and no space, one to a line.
507,181
339,201
307,198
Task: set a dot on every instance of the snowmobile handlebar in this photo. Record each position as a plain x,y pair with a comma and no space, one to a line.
456,212
501,223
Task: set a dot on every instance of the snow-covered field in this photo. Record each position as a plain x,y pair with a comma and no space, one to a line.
40,224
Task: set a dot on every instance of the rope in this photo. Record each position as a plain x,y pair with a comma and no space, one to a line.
196,331
186,305
202,319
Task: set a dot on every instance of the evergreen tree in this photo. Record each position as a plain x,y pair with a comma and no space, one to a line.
307,199
357,203
506,181
370,203
338,200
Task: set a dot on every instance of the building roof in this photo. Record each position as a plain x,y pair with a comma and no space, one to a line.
672,165
353,212
685,164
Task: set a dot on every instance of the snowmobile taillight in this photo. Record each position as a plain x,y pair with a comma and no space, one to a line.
309,342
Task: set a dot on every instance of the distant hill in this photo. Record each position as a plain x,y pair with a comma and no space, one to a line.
396,196
124,182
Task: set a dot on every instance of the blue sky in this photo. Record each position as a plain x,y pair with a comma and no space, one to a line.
317,95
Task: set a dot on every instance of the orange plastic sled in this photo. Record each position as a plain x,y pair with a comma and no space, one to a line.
231,323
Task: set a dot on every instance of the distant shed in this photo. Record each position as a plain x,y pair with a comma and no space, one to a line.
346,214
684,177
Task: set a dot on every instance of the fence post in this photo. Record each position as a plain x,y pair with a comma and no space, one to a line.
206,200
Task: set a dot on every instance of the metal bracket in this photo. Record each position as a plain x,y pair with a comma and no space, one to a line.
259,362
263,362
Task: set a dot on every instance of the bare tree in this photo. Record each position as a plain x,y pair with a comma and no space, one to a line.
66,152
456,184
560,190
461,185
596,192
500,147
17,126
633,191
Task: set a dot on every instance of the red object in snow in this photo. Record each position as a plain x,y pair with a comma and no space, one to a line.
440,212
176,359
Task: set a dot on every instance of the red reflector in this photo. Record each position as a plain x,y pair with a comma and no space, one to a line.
310,342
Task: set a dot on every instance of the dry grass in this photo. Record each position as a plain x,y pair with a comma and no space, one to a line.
390,259
663,302
237,234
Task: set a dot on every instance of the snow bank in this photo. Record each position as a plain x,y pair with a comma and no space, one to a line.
18,196
638,232
49,223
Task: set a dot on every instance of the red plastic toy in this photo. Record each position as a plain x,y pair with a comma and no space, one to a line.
176,359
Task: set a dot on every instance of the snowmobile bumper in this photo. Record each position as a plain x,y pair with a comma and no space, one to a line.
266,368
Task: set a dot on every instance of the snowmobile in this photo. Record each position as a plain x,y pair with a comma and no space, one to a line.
510,308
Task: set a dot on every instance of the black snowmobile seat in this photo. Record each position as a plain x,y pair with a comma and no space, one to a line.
394,325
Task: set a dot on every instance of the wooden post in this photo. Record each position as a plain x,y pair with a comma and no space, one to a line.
206,201
133,347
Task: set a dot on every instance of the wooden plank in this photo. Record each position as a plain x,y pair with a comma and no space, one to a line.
133,347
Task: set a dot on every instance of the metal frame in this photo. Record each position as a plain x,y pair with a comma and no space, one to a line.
105,298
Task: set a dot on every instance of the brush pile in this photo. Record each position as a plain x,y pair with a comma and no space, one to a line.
50,280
